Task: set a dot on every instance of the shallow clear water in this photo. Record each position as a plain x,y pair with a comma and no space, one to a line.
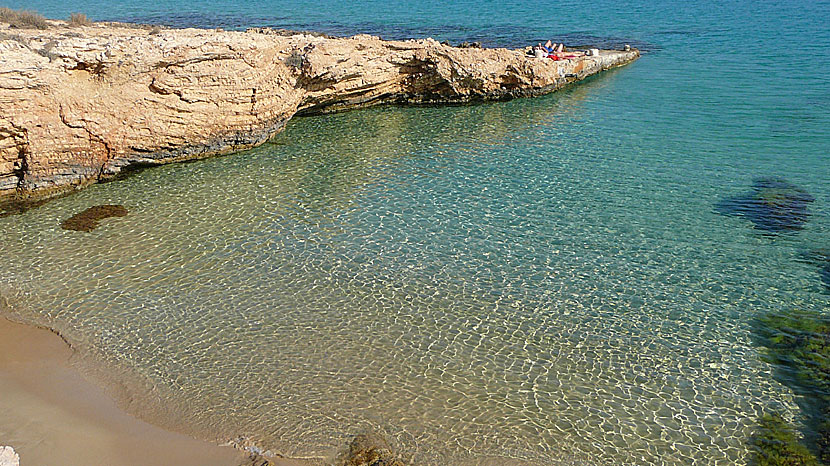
543,279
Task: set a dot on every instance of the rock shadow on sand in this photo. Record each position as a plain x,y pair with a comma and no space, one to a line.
89,219
774,205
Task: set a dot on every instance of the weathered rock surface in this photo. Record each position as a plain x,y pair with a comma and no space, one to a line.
8,457
80,104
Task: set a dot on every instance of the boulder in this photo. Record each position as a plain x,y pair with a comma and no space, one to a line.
8,457
369,449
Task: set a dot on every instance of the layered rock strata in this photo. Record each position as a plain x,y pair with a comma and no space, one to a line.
80,104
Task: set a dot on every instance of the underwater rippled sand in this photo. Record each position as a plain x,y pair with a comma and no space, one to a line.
526,280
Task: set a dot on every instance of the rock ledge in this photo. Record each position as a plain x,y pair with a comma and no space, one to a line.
79,104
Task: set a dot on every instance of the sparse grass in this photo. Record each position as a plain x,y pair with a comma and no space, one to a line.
79,19
22,19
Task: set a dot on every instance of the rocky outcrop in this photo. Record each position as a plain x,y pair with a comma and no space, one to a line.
80,104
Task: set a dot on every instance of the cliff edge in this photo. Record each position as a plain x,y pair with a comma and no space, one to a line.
78,104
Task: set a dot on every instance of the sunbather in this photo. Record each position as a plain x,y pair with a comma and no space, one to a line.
552,47
548,47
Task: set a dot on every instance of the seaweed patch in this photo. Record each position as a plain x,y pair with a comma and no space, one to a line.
776,443
798,345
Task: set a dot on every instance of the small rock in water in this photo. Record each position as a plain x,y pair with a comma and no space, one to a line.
774,205
8,457
255,459
469,45
89,218
370,449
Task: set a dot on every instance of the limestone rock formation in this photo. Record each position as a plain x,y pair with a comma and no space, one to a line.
79,104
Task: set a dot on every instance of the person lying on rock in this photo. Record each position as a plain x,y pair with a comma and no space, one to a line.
552,47
557,51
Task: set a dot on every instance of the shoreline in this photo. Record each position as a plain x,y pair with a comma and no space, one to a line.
52,414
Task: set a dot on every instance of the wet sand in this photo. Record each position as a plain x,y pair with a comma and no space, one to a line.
51,414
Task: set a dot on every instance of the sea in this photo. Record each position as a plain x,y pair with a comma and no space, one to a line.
544,281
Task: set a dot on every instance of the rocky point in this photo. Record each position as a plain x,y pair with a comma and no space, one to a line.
79,104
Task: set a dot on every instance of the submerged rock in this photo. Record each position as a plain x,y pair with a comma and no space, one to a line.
798,344
824,274
774,205
89,218
776,444
8,457
369,449
255,459
821,258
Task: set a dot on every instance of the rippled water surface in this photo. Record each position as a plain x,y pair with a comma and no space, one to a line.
546,280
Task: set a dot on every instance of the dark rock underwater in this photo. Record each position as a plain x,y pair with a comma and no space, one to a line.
774,205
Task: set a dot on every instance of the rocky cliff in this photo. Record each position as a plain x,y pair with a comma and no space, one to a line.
78,104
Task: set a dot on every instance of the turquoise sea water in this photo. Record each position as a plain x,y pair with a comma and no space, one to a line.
545,280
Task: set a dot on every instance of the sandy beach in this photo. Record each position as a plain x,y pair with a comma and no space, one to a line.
52,415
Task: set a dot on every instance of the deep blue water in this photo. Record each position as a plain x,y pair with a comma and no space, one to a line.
546,279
